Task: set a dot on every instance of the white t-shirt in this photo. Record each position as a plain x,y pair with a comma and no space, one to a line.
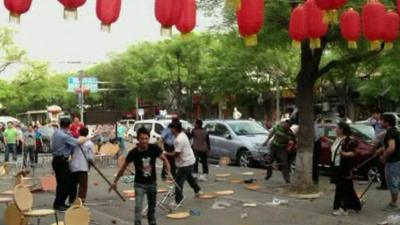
186,156
78,162
336,148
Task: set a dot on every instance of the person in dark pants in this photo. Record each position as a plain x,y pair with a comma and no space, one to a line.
281,135
79,166
62,145
144,158
184,160
168,138
29,147
343,164
201,148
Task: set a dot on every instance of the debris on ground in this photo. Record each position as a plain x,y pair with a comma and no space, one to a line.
244,215
195,212
221,205
277,201
250,205
391,220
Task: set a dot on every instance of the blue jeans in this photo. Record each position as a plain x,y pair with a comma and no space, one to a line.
121,143
392,171
13,149
140,191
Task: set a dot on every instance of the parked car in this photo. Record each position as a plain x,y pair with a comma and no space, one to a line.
155,127
240,140
395,114
128,123
364,134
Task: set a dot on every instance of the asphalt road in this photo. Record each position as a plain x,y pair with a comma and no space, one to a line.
107,209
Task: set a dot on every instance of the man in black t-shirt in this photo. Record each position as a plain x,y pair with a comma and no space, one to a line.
391,156
144,158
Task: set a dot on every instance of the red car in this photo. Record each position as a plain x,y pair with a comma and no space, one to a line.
363,133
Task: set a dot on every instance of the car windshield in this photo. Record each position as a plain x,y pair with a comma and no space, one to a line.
185,124
365,131
247,128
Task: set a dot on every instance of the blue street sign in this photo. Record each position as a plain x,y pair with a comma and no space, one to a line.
87,82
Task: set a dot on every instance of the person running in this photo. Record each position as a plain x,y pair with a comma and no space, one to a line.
391,156
79,166
201,148
29,146
10,141
343,152
62,146
184,161
144,156
75,127
281,135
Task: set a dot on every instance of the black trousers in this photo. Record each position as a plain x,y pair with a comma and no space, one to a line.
63,178
345,195
316,156
185,174
79,186
203,158
280,155
381,171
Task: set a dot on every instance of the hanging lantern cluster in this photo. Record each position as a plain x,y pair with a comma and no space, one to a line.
17,8
297,25
71,8
330,8
250,20
316,28
108,12
350,27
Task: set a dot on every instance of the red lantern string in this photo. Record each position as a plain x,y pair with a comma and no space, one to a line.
17,8
373,15
71,8
297,25
108,12
187,19
391,29
315,26
250,19
350,27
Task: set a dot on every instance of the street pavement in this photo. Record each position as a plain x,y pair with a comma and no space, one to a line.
107,209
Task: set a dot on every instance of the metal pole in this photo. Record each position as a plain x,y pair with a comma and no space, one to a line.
278,111
81,96
137,107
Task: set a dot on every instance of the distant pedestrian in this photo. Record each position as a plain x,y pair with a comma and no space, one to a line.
184,160
75,127
39,143
79,167
343,152
121,134
10,139
20,138
391,156
63,144
201,148
144,157
29,148
282,135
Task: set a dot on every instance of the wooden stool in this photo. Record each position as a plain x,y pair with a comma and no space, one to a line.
76,215
24,201
48,183
6,200
13,216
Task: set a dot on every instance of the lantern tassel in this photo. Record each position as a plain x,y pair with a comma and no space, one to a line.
352,44
186,36
327,17
14,18
166,31
388,45
250,40
296,44
375,45
234,4
70,14
315,43
105,27
334,16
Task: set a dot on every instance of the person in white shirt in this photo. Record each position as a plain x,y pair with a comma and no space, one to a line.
184,161
79,166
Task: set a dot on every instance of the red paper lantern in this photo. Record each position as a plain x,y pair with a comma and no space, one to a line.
373,15
350,27
187,19
167,13
297,25
391,31
108,12
315,26
330,8
17,8
250,19
71,8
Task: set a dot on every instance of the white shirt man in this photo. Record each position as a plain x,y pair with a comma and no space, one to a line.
182,146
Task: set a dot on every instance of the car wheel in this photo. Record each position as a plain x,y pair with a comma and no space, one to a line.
244,159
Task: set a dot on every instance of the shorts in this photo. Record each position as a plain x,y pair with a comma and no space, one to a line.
392,171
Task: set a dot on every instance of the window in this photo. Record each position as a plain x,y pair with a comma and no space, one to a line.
210,127
148,126
221,130
158,128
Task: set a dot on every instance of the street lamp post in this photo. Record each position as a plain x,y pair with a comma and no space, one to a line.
81,95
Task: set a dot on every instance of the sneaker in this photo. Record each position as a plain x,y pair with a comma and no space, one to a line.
203,178
340,212
198,194
391,207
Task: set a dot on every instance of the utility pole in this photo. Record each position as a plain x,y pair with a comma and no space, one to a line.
278,97
81,98
137,107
